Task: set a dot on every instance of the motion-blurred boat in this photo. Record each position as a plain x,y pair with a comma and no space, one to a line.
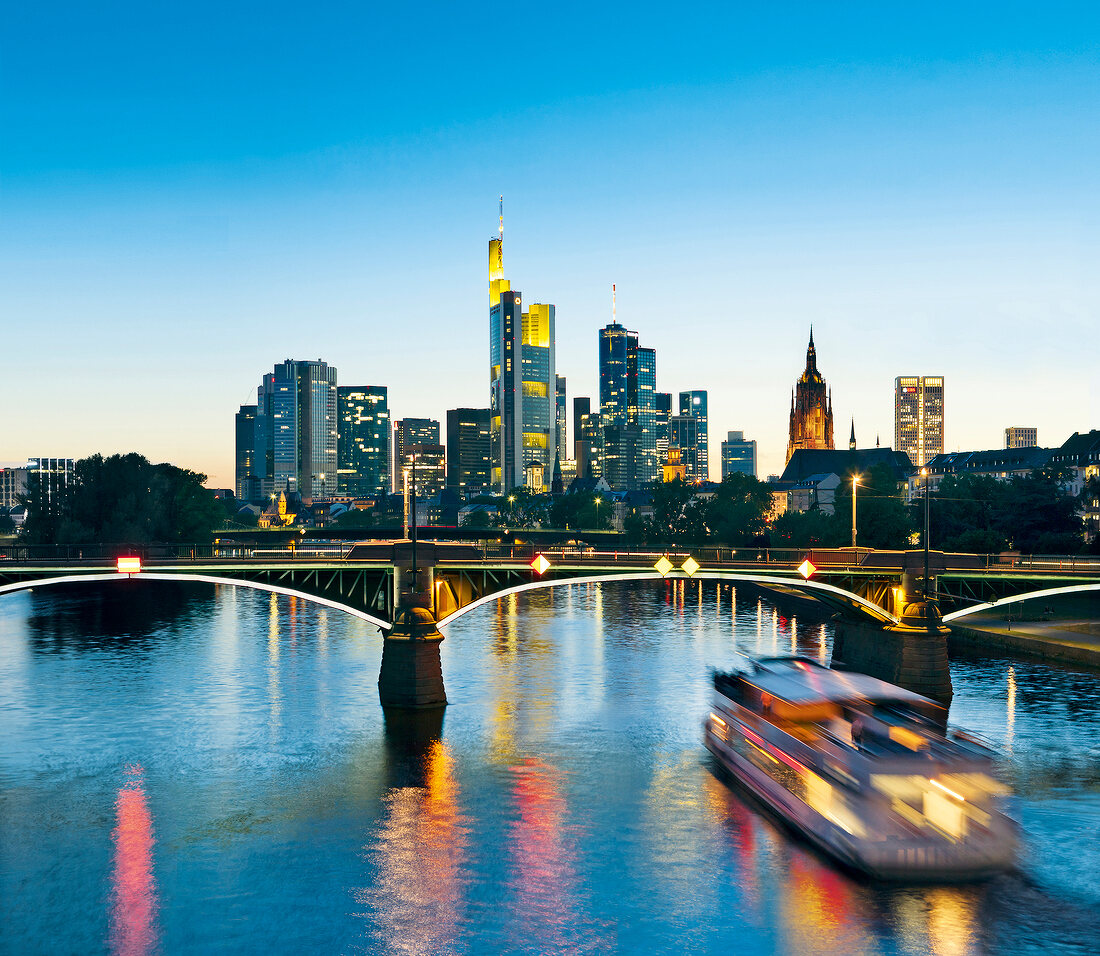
863,769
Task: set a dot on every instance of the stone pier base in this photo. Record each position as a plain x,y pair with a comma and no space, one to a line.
411,674
911,657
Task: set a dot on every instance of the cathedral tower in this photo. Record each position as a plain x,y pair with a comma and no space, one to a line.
811,408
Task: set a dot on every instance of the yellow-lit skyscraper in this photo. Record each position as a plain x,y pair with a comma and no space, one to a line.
522,377
918,417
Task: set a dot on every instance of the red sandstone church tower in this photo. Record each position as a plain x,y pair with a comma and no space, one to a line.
811,408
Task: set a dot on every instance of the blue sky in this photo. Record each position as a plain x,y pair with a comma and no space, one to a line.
189,195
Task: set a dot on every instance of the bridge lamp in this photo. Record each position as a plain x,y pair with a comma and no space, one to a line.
855,484
128,565
806,569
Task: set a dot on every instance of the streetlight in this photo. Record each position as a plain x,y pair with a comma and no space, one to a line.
924,475
855,484
598,500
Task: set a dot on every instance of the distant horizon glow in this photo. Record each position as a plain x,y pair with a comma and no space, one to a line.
186,207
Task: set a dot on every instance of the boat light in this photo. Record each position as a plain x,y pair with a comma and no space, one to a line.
949,792
128,565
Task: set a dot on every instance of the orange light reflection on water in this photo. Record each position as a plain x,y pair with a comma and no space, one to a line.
133,887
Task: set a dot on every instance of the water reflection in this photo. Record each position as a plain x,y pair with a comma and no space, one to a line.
420,844
133,888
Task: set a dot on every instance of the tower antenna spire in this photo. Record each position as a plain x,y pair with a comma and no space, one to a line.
502,219
613,319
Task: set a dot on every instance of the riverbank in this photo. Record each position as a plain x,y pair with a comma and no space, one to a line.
1072,642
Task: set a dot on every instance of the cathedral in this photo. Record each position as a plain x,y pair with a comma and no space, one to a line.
811,408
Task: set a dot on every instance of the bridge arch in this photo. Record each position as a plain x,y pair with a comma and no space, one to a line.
1016,598
205,578
835,596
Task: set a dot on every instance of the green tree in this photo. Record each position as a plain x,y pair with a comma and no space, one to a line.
124,499
355,518
807,529
737,514
882,519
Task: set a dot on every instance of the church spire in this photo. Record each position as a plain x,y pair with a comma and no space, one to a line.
852,440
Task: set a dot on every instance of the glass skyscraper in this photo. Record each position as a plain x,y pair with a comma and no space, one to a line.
694,405
738,455
628,389
522,378
469,450
247,481
363,441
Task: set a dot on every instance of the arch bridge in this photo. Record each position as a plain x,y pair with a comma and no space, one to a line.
363,579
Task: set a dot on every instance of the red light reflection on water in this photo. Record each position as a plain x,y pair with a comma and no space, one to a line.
133,888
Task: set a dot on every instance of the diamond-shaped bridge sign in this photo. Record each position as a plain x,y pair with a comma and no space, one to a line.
540,564
690,566
664,565
806,569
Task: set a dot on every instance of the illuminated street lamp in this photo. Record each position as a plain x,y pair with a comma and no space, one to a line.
598,500
924,475
855,484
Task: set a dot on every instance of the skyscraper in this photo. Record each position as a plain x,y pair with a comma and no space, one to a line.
694,405
663,418
918,417
561,432
683,445
246,480
522,377
628,379
295,430
363,440
469,450
586,437
738,455
811,408
407,432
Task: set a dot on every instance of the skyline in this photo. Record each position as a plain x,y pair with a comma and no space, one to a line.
920,191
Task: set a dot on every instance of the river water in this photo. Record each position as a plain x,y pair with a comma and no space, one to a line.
191,769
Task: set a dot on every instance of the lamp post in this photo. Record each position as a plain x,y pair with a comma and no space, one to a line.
855,484
924,475
598,500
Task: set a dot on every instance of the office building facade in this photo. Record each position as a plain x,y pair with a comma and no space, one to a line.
738,455
587,438
363,441
469,450
246,478
1017,437
918,417
684,451
522,377
561,431
693,404
294,429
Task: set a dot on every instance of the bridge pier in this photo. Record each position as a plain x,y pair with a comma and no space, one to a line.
912,654
411,675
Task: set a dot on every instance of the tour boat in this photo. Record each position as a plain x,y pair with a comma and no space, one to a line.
863,769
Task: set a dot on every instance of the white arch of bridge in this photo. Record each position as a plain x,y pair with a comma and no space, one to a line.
206,578
780,583
1016,598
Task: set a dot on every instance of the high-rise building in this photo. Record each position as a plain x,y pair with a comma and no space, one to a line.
918,417
587,437
561,431
663,418
811,408
738,455
683,445
247,486
522,377
694,405
47,476
469,450
430,463
295,430
363,441
1017,437
628,380
407,432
